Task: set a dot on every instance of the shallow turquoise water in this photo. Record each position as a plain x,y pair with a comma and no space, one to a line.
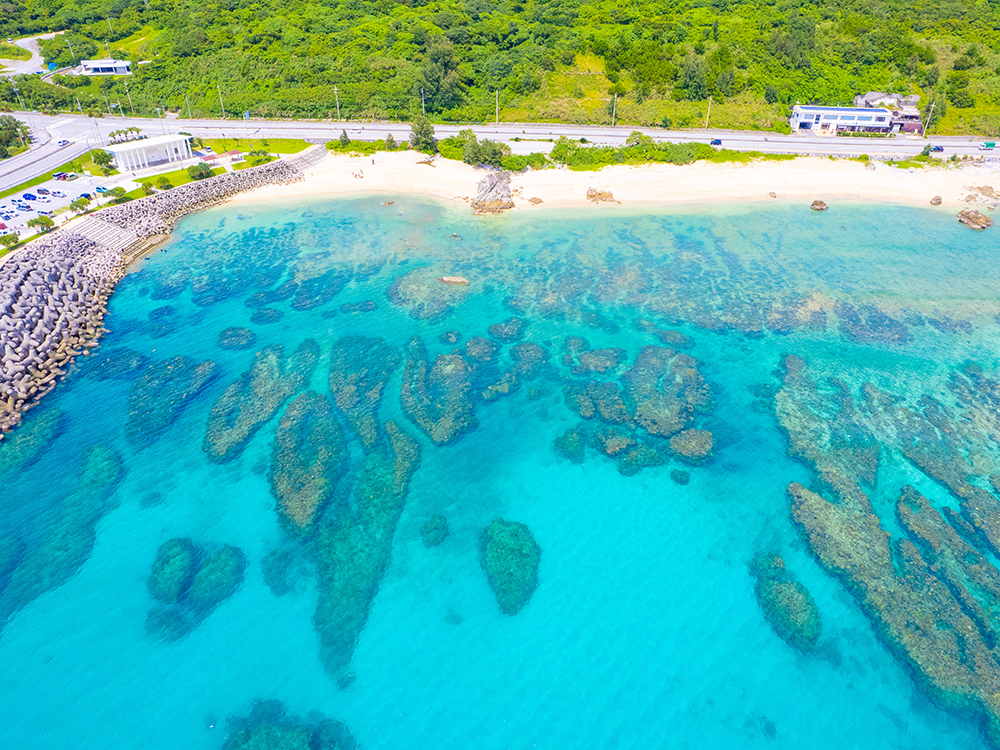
644,630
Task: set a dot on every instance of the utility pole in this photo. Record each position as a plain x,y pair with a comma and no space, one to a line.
108,103
422,107
79,106
709,111
930,117
109,48
220,100
336,93
72,54
498,107
614,110
188,103
129,95
109,25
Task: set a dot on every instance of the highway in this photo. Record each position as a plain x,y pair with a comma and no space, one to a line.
86,132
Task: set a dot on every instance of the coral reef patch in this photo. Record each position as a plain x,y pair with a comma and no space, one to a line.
161,392
360,368
237,338
255,398
306,461
509,555
434,531
787,605
269,727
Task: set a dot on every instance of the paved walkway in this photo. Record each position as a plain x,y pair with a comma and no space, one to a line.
35,64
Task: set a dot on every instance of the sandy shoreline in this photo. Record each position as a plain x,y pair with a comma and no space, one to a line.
802,180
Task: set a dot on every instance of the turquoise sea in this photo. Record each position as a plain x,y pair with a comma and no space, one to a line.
644,630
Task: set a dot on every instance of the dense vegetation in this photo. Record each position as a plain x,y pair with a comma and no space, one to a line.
13,133
650,63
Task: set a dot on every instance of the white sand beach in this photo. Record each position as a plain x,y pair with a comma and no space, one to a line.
802,179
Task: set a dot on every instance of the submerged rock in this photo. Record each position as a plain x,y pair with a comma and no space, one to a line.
787,605
237,338
255,398
306,461
434,531
173,569
693,446
438,398
116,364
67,533
218,577
509,555
572,444
353,549
19,449
509,331
269,727
161,392
360,369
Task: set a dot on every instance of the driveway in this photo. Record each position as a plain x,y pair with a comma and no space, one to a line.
35,64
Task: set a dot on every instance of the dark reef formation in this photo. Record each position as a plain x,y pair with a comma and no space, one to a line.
509,555
161,392
20,448
306,461
116,364
256,397
237,338
646,416
438,397
360,368
787,605
49,560
434,531
930,589
354,547
269,727
189,584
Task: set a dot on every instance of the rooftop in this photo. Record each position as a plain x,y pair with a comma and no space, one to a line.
105,63
160,140
866,110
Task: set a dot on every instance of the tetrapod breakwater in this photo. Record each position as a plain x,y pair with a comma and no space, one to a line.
54,292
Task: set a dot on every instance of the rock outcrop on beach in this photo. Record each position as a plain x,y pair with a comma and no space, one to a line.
974,219
306,461
600,196
818,206
509,555
936,200
255,398
493,194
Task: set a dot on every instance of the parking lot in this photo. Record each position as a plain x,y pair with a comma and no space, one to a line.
52,199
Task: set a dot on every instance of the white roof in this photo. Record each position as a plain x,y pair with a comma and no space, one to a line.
141,145
105,63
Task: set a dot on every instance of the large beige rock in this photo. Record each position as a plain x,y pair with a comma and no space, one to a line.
974,219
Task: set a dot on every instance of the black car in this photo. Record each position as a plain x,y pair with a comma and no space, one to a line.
937,149
88,196
715,142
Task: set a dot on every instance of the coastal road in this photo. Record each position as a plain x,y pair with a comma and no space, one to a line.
86,132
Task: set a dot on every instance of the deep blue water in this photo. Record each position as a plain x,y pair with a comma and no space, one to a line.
644,630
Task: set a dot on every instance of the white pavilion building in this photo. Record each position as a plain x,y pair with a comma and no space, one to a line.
150,151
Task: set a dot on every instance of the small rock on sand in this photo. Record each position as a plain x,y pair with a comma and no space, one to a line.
818,206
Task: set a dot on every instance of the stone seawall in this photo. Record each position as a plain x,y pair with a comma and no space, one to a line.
54,292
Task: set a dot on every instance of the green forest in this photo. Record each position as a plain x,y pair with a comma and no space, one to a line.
580,61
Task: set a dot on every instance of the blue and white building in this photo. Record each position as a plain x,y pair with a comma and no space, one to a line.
831,120
106,67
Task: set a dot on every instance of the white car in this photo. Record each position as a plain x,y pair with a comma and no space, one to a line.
58,194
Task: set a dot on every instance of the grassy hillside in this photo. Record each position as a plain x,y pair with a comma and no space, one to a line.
565,60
